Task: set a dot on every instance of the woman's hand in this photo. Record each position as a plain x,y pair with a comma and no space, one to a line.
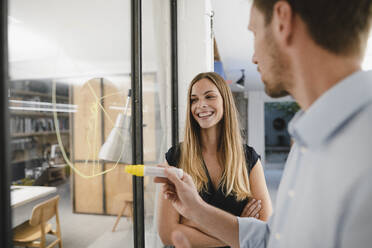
252,209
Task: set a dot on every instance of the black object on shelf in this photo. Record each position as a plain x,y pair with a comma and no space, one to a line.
241,80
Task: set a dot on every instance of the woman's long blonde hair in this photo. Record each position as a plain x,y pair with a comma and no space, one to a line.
230,150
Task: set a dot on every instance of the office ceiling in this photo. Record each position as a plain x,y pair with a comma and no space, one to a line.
100,34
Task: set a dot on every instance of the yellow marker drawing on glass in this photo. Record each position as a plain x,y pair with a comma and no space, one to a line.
141,170
94,108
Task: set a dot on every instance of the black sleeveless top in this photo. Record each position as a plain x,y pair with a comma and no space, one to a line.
216,197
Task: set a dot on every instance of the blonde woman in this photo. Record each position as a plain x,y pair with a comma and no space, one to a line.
227,174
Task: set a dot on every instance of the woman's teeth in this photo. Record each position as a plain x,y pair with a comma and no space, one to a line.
204,114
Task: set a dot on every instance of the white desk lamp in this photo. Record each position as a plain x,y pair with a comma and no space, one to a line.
118,147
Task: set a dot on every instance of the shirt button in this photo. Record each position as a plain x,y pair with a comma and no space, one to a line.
277,236
291,193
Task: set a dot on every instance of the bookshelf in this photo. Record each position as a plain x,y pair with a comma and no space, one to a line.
33,93
23,135
32,129
36,114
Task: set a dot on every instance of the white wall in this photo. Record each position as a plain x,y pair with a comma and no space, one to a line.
256,122
195,48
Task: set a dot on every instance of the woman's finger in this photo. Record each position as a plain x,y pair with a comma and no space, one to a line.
252,209
247,206
256,211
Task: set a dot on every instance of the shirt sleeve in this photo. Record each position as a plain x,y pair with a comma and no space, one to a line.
253,233
251,156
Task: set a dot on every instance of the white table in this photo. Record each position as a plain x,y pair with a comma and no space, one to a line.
21,195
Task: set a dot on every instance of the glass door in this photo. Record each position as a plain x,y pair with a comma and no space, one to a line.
84,75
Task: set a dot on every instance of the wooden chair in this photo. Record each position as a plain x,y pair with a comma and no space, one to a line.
127,199
32,233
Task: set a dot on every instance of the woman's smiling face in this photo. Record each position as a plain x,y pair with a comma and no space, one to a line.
206,103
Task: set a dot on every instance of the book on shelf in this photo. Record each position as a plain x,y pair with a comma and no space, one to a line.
23,124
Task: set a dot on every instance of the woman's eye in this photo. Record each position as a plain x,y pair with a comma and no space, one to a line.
193,100
210,97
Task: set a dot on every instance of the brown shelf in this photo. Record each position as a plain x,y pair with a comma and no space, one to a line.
35,113
33,93
22,135
23,160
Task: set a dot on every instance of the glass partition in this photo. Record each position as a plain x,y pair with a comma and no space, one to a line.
69,68
156,103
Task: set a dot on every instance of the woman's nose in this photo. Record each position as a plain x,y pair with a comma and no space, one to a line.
202,104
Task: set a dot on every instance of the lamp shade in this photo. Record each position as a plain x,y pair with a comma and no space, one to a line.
118,146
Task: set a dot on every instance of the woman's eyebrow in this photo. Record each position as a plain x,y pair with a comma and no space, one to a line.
208,91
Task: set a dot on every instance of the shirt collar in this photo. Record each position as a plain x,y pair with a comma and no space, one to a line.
332,109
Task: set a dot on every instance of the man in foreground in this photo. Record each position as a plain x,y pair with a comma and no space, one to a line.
313,51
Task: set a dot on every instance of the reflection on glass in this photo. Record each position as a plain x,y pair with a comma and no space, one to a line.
156,104
83,49
33,130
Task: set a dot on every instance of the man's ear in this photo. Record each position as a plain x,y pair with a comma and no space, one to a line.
282,22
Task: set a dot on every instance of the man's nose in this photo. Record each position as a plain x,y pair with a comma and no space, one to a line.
254,59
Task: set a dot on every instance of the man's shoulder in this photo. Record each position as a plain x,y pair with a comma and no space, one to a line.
352,143
360,123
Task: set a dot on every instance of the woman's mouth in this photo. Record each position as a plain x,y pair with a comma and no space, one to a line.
205,114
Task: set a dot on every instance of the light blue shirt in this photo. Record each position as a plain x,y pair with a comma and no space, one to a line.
325,196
